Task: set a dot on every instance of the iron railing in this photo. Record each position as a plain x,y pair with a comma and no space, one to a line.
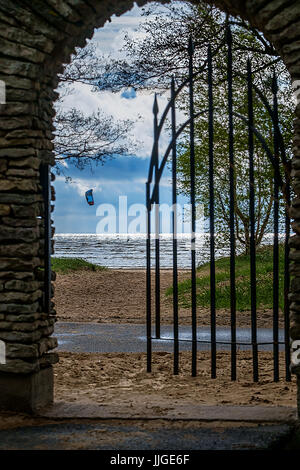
279,161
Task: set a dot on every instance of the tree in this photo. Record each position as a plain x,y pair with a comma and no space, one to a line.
243,40
263,170
161,52
85,140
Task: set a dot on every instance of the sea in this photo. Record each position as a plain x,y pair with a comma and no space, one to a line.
128,251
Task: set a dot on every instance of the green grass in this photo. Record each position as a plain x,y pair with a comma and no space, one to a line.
264,285
67,265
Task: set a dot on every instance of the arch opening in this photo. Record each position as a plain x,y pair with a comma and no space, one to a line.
47,36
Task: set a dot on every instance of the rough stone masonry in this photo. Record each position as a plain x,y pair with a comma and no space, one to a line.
37,37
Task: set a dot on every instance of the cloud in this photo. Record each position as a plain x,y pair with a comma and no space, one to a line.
127,105
64,163
121,182
81,185
165,181
129,94
110,37
138,110
125,175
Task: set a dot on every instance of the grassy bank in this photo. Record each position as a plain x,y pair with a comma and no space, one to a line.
264,286
67,265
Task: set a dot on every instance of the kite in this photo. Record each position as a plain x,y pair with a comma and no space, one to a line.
89,197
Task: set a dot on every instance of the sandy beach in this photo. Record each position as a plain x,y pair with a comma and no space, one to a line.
121,379
118,296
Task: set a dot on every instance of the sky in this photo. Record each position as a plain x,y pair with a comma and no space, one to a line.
123,175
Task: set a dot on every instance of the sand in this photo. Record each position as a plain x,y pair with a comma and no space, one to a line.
121,379
118,296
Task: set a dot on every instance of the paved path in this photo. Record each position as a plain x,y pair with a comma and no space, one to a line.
92,427
138,435
185,412
263,429
105,337
75,426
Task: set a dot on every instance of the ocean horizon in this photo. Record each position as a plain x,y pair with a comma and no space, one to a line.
128,251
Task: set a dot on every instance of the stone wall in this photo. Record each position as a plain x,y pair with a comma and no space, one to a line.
36,38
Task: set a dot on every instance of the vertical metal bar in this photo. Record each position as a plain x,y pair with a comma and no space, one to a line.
275,239
287,286
276,283
174,229
212,218
45,183
286,309
232,206
148,279
193,208
252,224
157,224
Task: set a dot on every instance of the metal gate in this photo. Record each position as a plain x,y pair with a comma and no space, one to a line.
281,189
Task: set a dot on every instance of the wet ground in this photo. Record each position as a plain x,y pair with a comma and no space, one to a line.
105,338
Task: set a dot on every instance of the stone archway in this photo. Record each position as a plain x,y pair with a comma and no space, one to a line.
37,38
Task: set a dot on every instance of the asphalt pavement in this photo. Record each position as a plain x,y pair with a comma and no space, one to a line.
113,337
143,434
124,435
